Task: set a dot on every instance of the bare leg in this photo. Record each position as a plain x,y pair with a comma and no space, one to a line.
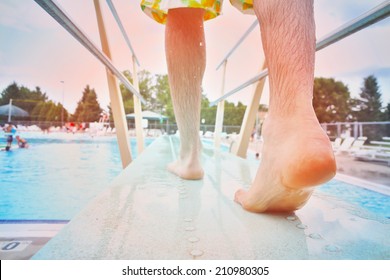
186,60
297,154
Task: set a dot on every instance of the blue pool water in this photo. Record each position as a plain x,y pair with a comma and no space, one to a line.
57,176
367,199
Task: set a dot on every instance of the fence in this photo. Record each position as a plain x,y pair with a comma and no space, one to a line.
168,128
371,130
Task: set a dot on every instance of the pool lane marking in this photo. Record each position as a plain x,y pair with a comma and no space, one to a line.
14,245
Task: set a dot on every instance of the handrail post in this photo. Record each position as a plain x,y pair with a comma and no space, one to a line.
10,110
220,112
118,110
249,119
137,103
137,111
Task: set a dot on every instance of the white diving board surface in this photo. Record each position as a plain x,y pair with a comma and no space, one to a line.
148,213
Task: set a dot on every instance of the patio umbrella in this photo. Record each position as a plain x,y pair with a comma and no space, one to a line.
149,115
12,110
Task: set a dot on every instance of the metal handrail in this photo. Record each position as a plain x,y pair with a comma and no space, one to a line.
378,13
254,24
54,10
120,25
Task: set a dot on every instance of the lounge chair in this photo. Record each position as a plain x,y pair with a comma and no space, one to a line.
345,145
357,145
378,153
336,144
374,154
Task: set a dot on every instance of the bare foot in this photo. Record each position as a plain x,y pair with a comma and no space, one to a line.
186,169
297,156
188,166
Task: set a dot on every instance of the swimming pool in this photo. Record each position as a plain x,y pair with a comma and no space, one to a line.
59,174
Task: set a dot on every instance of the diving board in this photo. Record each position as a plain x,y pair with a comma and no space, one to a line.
148,213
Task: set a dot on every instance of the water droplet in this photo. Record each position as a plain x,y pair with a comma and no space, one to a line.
190,228
196,253
187,220
193,239
291,218
315,236
333,248
301,226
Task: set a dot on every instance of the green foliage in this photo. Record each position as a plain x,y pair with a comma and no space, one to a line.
386,115
369,108
207,113
233,114
146,88
127,96
163,99
331,101
263,108
88,108
48,111
34,102
22,97
155,90
370,104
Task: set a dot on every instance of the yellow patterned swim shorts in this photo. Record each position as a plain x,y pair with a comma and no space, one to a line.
158,9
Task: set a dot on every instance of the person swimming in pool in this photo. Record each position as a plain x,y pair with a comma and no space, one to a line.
9,131
22,143
297,154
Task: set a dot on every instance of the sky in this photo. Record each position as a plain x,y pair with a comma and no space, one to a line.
36,51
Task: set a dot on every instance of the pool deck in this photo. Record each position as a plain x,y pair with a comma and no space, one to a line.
23,239
148,213
20,240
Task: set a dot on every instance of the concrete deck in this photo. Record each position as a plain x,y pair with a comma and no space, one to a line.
148,213
20,240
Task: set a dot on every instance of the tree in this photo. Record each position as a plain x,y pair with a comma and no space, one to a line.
207,113
48,111
370,103
386,115
234,114
145,81
369,107
331,101
146,89
34,102
22,97
127,96
163,104
88,108
262,108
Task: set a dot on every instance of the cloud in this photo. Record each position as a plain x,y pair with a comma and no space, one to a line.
23,15
332,14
